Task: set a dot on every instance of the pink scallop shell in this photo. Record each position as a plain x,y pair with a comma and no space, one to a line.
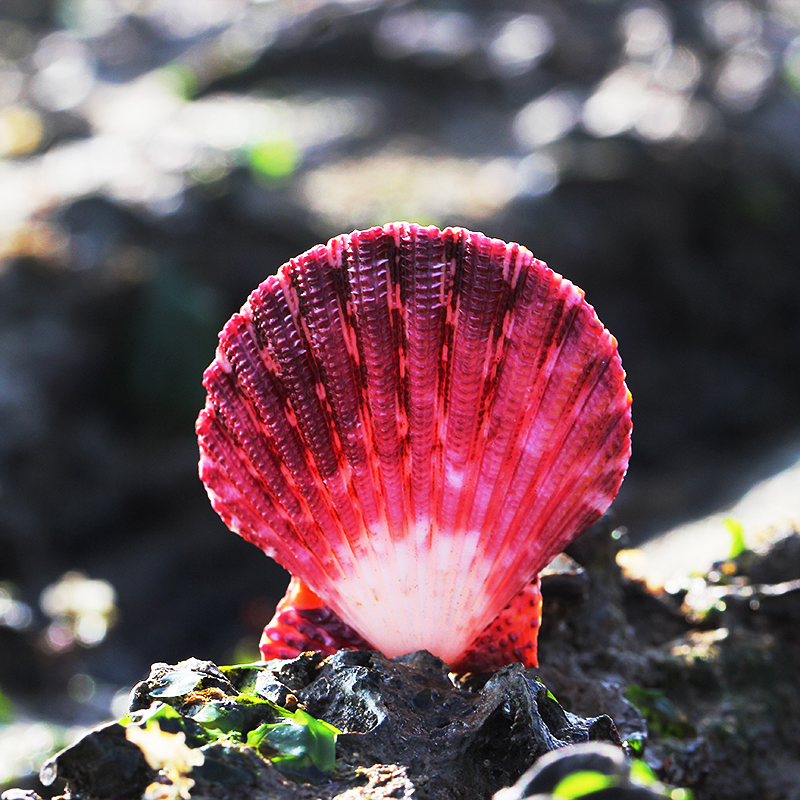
414,422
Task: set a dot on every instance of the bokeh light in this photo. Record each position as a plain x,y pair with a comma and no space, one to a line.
519,43
408,186
13,612
64,73
646,30
743,76
81,611
24,746
546,119
730,22
430,35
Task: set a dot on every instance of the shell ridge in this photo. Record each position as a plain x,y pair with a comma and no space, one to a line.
429,329
325,337
371,280
265,514
313,466
595,488
422,332
512,391
239,426
343,367
571,463
530,460
584,390
457,249
523,471
432,270
547,288
498,259
452,247
356,541
365,293
484,293
470,335
450,303
303,373
260,506
295,354
411,273
497,435
404,530
398,318
268,412
340,371
240,422
420,399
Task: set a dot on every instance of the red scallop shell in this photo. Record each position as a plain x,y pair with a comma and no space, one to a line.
413,422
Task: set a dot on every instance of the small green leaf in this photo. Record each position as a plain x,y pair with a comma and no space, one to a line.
303,748
579,784
243,676
252,701
6,709
641,773
318,725
274,158
736,531
550,695
161,712
220,717
635,744
170,721
181,79
660,713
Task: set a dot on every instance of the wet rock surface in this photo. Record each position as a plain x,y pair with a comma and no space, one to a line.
713,668
406,725
686,247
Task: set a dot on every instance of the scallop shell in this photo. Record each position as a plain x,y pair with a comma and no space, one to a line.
413,422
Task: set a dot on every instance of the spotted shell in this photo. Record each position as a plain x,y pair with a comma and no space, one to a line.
413,422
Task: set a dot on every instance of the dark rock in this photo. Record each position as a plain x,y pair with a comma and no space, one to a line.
456,742
408,729
103,764
781,563
199,673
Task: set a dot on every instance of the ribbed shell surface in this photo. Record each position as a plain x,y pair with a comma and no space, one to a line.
413,421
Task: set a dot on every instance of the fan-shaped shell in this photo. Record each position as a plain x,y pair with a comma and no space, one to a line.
414,422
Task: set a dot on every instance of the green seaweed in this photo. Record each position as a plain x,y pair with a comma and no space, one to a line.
583,783
305,746
299,745
736,531
662,717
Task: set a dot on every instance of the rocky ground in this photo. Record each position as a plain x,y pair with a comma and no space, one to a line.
699,687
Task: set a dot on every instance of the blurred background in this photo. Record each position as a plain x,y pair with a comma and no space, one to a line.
160,158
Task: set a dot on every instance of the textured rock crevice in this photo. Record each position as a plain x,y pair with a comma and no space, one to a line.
409,729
